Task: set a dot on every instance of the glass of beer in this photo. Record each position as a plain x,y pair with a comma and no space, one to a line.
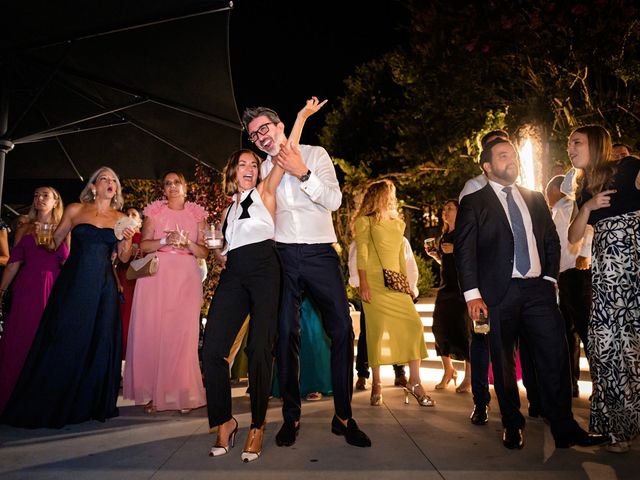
44,233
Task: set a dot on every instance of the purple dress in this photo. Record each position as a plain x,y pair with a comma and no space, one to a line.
29,295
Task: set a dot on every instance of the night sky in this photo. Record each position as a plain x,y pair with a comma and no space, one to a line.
284,52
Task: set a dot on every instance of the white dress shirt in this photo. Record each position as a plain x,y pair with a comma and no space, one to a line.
473,185
534,257
412,266
561,213
569,184
303,210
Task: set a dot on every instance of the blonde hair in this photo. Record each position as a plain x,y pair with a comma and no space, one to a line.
600,169
56,212
230,173
379,198
87,195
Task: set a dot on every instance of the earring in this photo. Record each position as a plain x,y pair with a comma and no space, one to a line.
93,192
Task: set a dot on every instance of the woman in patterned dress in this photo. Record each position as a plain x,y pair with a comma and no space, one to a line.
609,199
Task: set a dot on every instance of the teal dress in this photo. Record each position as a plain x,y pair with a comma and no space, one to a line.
315,354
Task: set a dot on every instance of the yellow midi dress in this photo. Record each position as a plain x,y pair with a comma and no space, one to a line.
394,329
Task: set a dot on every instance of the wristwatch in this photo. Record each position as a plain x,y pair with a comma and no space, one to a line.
305,177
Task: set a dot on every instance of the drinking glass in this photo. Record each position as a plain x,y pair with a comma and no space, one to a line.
482,324
213,236
44,232
430,244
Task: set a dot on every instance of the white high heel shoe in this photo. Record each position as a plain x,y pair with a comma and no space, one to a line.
218,450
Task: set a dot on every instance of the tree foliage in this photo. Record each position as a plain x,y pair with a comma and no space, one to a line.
415,113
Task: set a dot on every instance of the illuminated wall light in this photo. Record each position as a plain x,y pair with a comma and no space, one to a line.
527,166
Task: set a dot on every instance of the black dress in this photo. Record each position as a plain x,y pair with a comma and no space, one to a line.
72,372
451,324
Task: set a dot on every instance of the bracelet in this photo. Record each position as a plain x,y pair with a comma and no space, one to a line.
163,241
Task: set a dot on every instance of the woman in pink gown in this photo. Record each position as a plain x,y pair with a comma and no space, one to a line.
32,269
162,370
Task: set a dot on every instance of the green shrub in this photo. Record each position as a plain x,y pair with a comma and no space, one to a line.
429,272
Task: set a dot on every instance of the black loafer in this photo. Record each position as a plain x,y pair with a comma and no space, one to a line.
480,415
582,439
512,438
351,432
288,433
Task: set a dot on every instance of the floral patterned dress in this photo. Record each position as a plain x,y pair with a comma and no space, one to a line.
614,325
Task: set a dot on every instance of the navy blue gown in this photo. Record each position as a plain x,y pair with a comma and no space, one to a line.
72,372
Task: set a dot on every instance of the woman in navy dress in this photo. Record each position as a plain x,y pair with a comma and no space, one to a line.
72,372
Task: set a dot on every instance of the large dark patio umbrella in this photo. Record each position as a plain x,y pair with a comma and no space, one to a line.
142,86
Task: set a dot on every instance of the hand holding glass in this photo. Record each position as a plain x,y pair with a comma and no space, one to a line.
213,237
482,324
430,244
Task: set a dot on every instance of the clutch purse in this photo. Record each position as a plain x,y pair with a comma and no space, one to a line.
121,224
143,267
397,281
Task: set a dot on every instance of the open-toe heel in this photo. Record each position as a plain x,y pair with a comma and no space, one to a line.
219,449
150,408
253,446
423,400
446,379
376,395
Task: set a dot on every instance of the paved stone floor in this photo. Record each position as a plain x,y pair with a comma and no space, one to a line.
409,442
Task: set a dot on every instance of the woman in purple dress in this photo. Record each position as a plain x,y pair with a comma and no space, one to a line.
32,269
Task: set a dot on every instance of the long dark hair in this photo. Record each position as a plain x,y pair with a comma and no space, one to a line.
600,170
445,227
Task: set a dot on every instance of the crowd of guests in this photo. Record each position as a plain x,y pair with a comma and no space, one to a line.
504,249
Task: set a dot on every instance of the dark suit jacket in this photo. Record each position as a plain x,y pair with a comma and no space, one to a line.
484,246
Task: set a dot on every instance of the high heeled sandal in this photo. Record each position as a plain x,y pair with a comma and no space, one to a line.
423,400
218,449
464,387
447,379
149,408
253,446
618,447
376,398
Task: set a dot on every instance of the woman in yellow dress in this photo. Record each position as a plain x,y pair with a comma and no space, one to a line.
394,328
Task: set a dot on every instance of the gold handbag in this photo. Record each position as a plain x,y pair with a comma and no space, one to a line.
143,267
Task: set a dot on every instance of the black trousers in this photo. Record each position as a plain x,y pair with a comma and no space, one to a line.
529,310
249,285
480,361
313,269
574,288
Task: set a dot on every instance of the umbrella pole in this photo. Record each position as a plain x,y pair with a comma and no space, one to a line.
5,145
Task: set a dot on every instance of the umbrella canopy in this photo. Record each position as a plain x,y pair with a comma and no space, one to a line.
142,87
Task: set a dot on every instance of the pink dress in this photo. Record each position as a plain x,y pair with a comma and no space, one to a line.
162,352
30,291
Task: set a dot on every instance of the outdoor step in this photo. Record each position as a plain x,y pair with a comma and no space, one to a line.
425,307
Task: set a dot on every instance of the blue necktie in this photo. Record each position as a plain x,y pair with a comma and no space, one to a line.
523,263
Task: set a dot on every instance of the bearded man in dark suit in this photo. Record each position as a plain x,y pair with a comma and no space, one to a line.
508,255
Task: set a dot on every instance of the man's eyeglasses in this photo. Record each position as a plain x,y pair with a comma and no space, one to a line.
261,131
